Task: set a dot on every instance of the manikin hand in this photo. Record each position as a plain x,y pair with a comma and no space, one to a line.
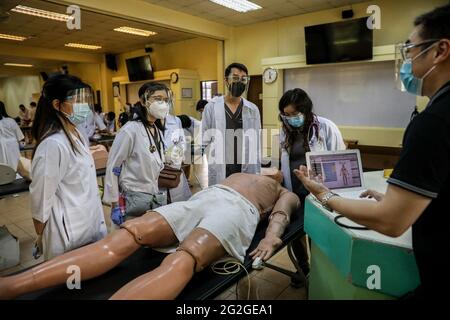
312,183
266,247
372,194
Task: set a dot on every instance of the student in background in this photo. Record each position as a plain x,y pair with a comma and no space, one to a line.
110,122
192,129
201,104
175,147
32,111
25,116
302,131
191,126
123,119
124,106
10,138
65,205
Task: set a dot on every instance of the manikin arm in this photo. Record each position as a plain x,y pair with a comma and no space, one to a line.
287,203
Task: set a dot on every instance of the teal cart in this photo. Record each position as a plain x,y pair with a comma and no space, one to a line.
357,264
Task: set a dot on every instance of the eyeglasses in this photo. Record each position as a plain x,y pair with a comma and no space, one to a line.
160,99
406,47
244,79
285,117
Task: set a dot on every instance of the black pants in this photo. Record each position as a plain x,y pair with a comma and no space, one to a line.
300,245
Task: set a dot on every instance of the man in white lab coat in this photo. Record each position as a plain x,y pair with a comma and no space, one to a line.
231,127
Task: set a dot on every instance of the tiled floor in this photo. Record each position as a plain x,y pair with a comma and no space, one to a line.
264,285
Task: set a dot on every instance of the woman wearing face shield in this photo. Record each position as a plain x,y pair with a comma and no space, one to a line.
66,209
303,131
231,128
136,157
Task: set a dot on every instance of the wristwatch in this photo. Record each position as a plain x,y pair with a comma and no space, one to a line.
326,198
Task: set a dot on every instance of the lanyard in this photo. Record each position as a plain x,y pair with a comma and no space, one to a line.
156,138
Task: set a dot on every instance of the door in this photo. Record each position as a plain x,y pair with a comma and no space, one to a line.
254,94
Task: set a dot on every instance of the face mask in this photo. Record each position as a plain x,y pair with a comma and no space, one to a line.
158,109
80,113
237,89
297,121
411,83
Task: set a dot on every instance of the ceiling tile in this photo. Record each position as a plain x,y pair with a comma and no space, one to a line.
277,9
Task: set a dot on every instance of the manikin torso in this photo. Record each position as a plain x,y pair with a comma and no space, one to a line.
262,191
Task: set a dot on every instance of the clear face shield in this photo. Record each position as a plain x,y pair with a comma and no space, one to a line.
400,57
238,85
82,96
159,106
82,101
403,56
150,97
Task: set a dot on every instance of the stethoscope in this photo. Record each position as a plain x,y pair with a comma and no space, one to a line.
310,136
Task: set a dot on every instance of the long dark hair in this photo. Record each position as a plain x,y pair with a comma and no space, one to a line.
48,120
301,102
139,111
3,113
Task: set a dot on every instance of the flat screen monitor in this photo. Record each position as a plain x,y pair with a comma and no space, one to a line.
140,68
336,42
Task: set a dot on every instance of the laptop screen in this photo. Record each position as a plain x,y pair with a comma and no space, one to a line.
339,170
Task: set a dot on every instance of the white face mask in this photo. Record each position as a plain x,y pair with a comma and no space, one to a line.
159,109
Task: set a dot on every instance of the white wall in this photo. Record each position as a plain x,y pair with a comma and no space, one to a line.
18,90
362,94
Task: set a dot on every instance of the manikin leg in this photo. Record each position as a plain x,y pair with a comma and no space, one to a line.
198,251
93,260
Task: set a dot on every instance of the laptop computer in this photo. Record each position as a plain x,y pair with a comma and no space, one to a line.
341,171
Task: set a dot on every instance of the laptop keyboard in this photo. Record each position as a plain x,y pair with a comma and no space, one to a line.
350,194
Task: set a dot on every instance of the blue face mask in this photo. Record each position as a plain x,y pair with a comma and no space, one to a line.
411,83
296,121
81,112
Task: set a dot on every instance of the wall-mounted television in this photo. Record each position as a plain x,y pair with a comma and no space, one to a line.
140,68
343,41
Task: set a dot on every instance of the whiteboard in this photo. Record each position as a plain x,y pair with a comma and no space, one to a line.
362,94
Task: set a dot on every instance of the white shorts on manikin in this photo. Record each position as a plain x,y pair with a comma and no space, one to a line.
224,212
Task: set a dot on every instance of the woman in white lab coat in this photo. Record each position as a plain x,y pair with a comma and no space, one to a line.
302,131
10,137
137,157
65,203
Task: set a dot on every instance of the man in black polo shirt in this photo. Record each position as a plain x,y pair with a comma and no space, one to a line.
419,187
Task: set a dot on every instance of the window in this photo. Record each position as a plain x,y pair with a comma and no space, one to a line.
208,89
